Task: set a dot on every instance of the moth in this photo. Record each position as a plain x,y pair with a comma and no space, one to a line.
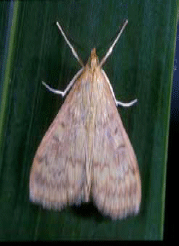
86,154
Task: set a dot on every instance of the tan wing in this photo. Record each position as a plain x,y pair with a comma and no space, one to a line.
57,176
116,185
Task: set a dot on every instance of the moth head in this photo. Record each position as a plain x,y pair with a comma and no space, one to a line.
93,59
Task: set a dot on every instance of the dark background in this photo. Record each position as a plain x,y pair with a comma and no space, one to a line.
171,184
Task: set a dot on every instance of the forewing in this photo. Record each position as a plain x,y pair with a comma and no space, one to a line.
116,185
58,171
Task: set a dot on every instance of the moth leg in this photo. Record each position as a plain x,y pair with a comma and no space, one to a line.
63,93
112,46
126,104
118,102
69,44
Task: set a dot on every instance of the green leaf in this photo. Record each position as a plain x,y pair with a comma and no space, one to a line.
141,66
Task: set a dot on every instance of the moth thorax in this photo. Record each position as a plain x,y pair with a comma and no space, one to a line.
94,59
